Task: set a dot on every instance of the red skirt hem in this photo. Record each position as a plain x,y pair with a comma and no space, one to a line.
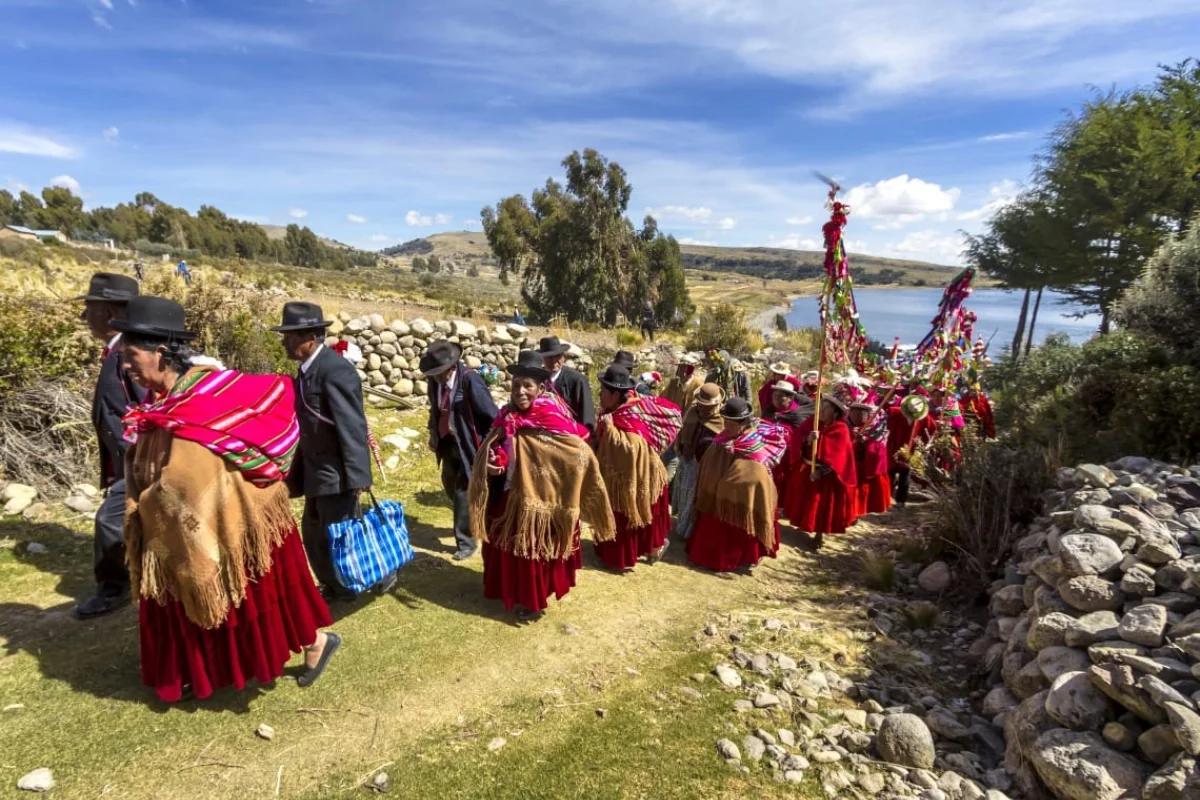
820,506
280,615
721,547
874,495
633,543
528,582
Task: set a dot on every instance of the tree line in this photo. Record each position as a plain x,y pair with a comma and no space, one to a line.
1114,182
153,227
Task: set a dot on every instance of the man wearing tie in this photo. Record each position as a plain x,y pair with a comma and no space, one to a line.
333,459
461,411
568,384
115,393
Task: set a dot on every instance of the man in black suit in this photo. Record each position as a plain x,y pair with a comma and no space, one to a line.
571,386
333,460
115,393
461,411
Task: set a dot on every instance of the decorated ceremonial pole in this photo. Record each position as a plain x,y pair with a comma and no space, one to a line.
837,276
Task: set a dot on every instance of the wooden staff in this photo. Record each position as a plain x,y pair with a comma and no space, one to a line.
812,466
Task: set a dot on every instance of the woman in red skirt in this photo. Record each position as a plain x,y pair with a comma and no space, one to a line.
792,409
821,501
869,428
632,433
737,515
526,497
225,591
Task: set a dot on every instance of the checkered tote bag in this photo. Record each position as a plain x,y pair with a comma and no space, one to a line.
369,547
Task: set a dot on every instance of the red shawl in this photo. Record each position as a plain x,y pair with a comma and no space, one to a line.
249,420
548,413
766,405
835,449
654,419
765,443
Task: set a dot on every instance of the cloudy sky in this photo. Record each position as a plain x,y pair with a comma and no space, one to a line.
375,121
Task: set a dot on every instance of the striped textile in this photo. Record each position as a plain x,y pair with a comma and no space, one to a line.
249,420
765,443
654,419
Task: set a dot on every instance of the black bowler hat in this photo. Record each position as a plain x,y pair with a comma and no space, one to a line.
155,317
105,287
300,316
736,409
625,359
616,378
529,365
439,357
551,346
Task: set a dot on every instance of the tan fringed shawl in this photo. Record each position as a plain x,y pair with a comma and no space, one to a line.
554,482
682,393
195,529
634,474
740,492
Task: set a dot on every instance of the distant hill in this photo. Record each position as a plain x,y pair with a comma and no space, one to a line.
277,232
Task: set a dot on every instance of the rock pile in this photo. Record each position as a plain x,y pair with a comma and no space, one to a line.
1094,639
392,350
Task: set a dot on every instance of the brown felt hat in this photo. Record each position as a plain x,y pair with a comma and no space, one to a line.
708,395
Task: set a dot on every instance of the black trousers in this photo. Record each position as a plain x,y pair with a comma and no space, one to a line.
900,477
108,548
319,513
455,476
648,330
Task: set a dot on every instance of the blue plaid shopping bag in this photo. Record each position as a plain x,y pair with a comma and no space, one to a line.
371,546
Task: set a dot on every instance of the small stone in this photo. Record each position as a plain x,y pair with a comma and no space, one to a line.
1049,631
1186,724
728,676
380,782
1098,626
935,578
1075,703
944,724
773,624
1144,625
1161,691
1119,736
265,731
766,700
1056,661
826,757
793,776
1158,744
1088,554
710,630
1091,593
40,780
496,744
754,748
872,783
36,549
743,706
728,750
1120,684
998,701
787,737
601,712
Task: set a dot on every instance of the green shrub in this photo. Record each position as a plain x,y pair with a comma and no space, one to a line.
723,327
781,323
41,341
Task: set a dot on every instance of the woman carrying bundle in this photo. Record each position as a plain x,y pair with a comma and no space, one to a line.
224,585
870,431
792,409
632,433
821,500
701,424
737,513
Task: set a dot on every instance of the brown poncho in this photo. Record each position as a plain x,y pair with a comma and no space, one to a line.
682,392
739,492
694,419
634,474
554,482
196,530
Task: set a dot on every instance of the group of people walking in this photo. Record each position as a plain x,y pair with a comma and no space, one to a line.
199,462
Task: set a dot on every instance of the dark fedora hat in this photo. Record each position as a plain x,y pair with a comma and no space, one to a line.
529,365
616,378
154,317
551,346
836,402
736,409
625,359
106,287
301,316
439,357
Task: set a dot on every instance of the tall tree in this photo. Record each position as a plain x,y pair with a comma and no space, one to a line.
8,208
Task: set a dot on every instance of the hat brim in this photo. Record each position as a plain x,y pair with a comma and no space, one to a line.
537,373
744,418
716,401
125,326
558,351
99,298
437,369
618,387
322,325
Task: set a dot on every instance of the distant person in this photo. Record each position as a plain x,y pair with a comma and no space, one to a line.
701,424
779,371
565,382
461,413
648,322
870,431
518,317
909,427
182,270
333,460
138,270
103,306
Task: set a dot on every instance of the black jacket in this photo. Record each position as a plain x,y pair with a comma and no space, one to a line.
115,394
573,387
472,412
333,456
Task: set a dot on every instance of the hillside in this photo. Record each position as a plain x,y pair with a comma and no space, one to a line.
277,232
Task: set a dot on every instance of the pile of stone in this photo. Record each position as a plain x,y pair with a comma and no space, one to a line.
392,350
1094,640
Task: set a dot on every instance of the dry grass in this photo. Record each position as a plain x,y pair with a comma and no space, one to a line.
878,572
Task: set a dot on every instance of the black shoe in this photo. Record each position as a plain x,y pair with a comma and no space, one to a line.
332,643
464,553
101,604
332,593
387,584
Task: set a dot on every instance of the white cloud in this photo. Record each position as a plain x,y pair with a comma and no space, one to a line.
418,220
1004,137
379,237
106,3
794,242
727,224
355,219
899,201
680,213
926,245
23,142
101,21
696,242
805,220
297,213
110,134
442,219
1000,194
66,181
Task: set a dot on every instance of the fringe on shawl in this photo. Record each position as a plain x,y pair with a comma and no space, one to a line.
634,474
754,514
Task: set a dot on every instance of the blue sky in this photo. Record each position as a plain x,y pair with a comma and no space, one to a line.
375,121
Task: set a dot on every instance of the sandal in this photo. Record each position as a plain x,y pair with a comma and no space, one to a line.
332,643
662,551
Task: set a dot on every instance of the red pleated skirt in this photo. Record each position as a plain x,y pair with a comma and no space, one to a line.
874,495
820,506
721,547
280,615
633,543
527,582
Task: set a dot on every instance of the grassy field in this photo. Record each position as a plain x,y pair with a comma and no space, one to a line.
430,679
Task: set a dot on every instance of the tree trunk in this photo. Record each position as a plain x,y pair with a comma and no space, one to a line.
1020,334
1033,320
1104,319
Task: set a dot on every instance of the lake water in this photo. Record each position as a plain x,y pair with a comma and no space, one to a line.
907,313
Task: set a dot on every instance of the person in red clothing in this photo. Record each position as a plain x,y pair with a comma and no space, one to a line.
874,495
792,409
632,433
909,427
526,496
821,501
978,408
780,373
737,516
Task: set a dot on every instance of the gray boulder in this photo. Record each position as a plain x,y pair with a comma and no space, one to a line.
1080,766
1144,625
1186,724
1048,631
1120,684
1098,626
1056,661
904,739
1075,703
1088,554
1158,744
1095,475
1091,593
1179,779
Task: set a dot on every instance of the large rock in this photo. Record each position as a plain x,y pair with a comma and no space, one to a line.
1048,631
1057,661
1088,554
403,387
1139,581
377,323
1008,602
1158,744
999,701
1179,779
1186,724
1022,726
1080,766
935,578
1120,684
1144,625
421,327
1095,475
1075,703
1091,593
904,739
399,327
463,329
1089,515
1098,626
